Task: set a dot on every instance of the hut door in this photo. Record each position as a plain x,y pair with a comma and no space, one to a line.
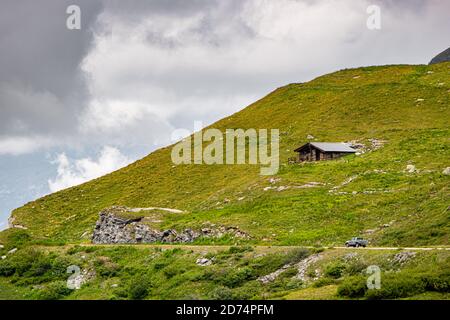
317,155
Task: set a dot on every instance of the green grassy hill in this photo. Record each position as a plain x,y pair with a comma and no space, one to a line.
405,106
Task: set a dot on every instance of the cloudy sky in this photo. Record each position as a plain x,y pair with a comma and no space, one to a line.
76,104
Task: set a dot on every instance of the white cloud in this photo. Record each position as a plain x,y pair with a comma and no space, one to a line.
18,145
112,115
75,172
218,58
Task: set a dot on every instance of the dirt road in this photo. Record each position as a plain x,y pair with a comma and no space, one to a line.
258,248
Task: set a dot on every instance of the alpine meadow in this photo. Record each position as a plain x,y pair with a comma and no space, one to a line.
258,236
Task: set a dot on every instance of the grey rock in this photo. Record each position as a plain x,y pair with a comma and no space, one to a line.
112,228
274,275
410,168
303,266
376,143
403,257
203,262
12,251
75,282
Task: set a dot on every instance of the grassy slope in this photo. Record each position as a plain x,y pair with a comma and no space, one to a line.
373,102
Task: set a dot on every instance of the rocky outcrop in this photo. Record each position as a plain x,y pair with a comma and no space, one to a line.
403,257
444,56
274,275
12,225
79,278
301,266
113,228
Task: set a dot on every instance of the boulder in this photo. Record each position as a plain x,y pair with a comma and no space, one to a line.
446,171
410,168
203,262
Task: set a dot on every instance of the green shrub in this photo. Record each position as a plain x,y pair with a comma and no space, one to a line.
105,267
267,264
160,265
353,287
237,277
6,268
138,288
248,291
53,291
439,283
17,238
39,267
173,270
293,284
334,270
297,255
20,262
395,285
399,285
221,293
324,281
32,266
355,267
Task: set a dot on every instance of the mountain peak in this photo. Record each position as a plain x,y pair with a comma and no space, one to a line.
444,56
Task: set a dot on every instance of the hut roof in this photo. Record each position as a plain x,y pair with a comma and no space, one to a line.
329,147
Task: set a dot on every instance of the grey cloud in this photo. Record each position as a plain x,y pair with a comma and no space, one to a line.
41,87
196,69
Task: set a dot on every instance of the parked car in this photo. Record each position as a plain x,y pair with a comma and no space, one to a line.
356,242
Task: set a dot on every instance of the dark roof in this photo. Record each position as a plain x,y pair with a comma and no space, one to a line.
329,147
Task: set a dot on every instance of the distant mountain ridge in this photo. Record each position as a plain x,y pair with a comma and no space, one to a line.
444,56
